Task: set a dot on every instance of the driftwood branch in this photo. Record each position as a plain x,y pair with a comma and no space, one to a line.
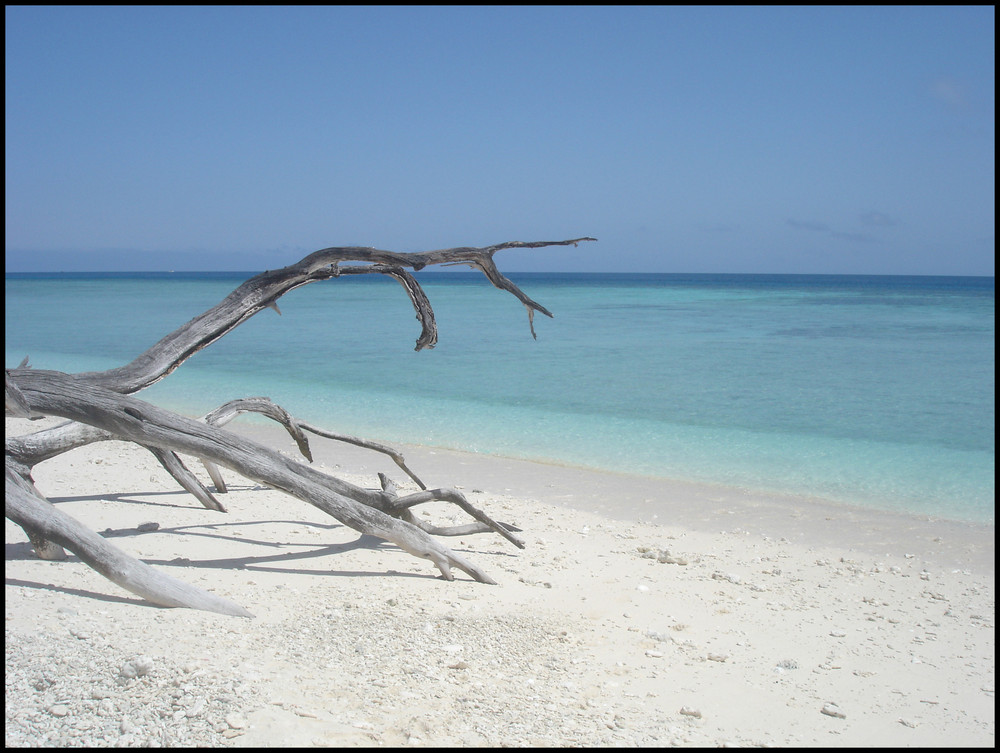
99,407
400,506
262,405
265,289
34,513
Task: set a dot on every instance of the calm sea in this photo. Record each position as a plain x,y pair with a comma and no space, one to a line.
873,391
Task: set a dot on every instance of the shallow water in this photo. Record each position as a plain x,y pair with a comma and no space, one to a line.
875,391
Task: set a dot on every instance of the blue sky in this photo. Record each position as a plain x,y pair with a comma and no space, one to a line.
800,140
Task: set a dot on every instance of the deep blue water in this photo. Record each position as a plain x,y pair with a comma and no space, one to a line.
876,391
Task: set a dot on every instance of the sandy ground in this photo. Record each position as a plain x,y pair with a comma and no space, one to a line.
642,613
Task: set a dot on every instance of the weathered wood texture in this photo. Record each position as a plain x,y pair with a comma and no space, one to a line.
100,406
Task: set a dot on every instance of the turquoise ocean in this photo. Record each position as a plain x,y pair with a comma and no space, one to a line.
871,391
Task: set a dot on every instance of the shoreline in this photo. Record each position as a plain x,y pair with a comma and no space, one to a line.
728,619
696,506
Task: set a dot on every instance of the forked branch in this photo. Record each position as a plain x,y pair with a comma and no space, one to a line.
265,289
99,407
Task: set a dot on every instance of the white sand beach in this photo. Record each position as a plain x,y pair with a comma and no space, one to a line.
642,613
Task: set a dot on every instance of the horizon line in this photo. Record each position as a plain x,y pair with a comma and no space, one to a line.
432,270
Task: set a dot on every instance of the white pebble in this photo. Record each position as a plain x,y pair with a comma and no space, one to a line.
731,577
831,709
137,667
196,708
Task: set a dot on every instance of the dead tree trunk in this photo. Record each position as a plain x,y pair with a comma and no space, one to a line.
100,407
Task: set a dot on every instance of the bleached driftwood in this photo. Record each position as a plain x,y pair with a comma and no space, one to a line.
100,406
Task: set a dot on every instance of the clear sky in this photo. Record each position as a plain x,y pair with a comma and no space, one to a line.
800,140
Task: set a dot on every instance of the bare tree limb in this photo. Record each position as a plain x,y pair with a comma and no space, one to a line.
14,402
398,504
54,393
367,444
188,481
264,290
32,449
227,412
99,408
34,513
262,405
